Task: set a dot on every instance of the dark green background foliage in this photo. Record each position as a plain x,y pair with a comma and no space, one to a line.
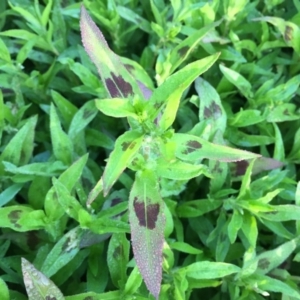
232,236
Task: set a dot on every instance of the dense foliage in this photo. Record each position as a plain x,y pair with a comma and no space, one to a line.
69,169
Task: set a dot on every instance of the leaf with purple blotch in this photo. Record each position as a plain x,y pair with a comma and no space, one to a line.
210,105
38,286
147,224
179,170
261,164
192,149
126,146
289,30
116,107
182,51
166,97
118,81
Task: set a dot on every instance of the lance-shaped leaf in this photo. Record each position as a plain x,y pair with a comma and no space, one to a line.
147,224
210,106
38,286
116,107
118,81
167,96
126,147
192,148
182,51
179,170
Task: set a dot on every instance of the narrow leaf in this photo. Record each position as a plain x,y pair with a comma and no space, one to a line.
193,149
116,107
147,224
210,270
61,143
116,78
38,286
166,97
126,147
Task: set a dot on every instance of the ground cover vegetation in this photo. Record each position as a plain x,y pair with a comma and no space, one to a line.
149,149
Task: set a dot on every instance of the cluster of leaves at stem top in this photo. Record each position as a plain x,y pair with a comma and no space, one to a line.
150,147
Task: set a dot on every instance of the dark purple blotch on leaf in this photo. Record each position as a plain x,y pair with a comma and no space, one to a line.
263,263
87,113
288,33
14,217
112,88
182,52
241,167
128,145
192,146
118,252
118,85
217,168
286,112
66,244
213,110
147,216
50,298
129,68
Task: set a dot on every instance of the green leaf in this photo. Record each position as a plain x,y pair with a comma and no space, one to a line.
250,229
68,178
136,19
38,286
182,51
70,205
46,13
82,118
267,283
19,149
178,170
234,225
21,218
289,30
114,295
116,107
4,292
193,149
246,118
61,143
62,252
209,270
269,260
118,81
281,213
166,97
210,107
4,53
47,169
117,259
28,36
196,208
31,19
9,193
65,108
147,224
185,248
283,113
133,282
126,147
243,85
